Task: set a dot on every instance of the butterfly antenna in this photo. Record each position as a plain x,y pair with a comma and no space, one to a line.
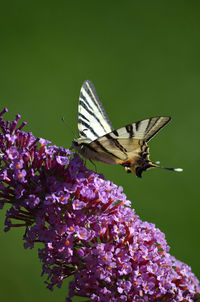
166,168
63,120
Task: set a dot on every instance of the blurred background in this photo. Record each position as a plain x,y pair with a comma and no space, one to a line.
143,57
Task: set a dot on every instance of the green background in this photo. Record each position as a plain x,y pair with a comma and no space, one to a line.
143,57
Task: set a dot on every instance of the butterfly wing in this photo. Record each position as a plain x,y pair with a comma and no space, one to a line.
144,129
127,142
93,121
112,150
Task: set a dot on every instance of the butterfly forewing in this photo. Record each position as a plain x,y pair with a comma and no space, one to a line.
144,129
155,124
93,121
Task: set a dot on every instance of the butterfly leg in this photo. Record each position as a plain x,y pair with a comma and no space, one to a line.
95,167
85,161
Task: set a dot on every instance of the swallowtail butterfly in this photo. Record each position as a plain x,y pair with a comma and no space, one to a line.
126,146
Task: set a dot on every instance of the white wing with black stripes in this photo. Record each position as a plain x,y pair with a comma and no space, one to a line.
126,146
93,121
145,129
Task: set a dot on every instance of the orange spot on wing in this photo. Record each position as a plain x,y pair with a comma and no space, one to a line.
126,162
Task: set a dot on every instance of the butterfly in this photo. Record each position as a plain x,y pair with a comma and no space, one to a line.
126,146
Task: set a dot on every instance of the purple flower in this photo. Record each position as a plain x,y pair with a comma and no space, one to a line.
12,152
86,226
62,160
20,175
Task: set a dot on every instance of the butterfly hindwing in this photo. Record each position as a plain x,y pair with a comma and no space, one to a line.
115,151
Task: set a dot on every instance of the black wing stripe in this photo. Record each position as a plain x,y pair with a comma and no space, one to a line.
154,133
82,133
137,125
83,99
86,107
90,91
104,149
129,129
88,127
81,102
81,116
93,96
115,132
117,144
149,124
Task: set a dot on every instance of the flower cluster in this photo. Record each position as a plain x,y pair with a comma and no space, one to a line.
86,226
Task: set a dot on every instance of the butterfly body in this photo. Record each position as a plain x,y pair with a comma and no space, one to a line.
126,146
